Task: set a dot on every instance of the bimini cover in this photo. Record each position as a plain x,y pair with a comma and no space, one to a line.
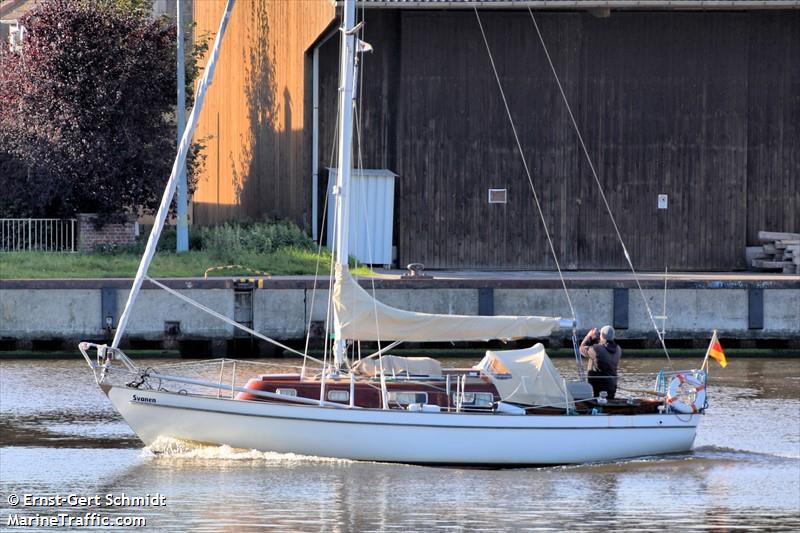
362,317
526,376
394,365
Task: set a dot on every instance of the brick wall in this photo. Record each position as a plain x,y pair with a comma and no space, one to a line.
89,235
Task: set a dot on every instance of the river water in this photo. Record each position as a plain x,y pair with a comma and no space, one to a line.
60,436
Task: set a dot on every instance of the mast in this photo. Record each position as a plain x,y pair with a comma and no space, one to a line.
182,244
341,190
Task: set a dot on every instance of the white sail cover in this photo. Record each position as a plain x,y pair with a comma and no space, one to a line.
361,317
525,376
393,365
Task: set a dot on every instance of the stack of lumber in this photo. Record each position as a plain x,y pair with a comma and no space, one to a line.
780,251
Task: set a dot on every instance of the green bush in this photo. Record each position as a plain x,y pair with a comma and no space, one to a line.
226,242
267,238
230,241
222,242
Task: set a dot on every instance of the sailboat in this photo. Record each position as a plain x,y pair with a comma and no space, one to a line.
511,408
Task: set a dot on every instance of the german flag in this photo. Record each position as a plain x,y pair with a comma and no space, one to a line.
715,351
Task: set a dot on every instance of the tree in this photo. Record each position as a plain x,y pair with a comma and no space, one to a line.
87,111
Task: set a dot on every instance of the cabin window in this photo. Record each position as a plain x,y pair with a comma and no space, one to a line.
476,399
339,395
406,398
286,392
498,196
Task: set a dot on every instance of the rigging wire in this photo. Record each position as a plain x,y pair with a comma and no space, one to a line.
319,248
328,310
224,318
527,170
664,307
314,288
357,109
597,181
380,351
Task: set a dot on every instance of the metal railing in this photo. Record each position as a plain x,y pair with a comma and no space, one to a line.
37,234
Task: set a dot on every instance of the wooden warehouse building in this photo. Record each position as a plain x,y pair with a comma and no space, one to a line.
696,100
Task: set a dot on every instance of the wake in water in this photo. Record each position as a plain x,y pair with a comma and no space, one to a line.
708,455
725,452
167,448
755,427
170,449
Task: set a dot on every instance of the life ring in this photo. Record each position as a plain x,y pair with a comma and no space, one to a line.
673,394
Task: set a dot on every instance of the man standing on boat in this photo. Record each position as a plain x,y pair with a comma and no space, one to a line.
603,355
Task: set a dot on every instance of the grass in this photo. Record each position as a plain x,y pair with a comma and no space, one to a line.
278,248
123,264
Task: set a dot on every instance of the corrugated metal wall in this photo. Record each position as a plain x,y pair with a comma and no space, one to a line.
701,106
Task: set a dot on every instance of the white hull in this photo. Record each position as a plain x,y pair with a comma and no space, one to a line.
402,436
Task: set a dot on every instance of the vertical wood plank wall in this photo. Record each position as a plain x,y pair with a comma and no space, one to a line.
257,149
702,106
773,126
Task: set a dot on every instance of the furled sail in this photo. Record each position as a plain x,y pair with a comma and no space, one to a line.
361,317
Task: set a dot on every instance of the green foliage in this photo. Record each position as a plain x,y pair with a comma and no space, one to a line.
195,52
223,242
87,121
229,241
138,7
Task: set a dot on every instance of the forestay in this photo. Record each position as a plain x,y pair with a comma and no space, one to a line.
362,317
526,376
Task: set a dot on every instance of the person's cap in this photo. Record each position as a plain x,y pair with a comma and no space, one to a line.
607,332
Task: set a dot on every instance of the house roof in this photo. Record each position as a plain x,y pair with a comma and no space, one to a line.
582,4
14,9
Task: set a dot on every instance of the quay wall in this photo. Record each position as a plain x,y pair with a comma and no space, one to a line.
44,313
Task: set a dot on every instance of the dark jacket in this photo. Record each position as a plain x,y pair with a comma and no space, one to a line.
603,361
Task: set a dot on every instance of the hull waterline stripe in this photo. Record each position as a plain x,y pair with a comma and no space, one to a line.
368,423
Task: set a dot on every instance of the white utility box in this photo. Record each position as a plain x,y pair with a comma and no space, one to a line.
371,214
